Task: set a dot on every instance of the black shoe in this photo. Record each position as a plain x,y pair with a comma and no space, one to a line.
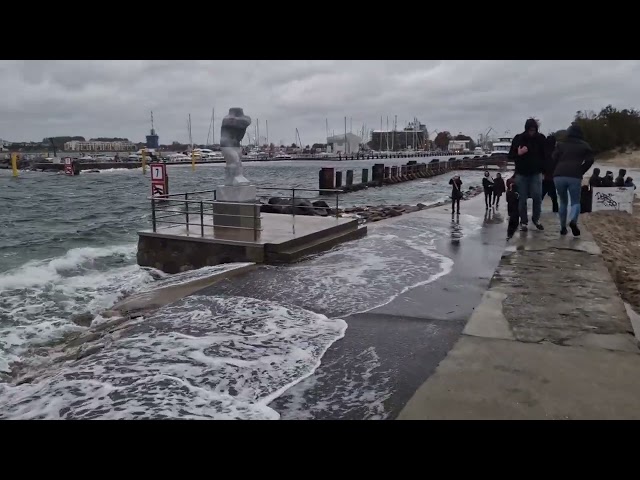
523,227
555,210
574,229
539,226
563,231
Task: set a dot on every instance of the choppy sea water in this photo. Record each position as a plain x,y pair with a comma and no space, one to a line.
68,244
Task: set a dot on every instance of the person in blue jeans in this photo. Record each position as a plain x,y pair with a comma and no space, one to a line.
573,158
528,153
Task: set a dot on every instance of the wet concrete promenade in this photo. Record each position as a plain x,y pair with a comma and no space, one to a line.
550,340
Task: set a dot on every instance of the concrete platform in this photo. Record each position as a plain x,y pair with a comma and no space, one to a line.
550,340
283,238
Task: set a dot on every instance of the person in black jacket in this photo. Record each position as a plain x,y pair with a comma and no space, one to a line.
607,181
456,193
629,183
498,189
619,182
487,185
548,185
574,158
528,153
595,180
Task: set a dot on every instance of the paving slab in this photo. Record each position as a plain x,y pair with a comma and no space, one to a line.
488,379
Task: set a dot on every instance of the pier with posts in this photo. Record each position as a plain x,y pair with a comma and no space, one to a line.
330,178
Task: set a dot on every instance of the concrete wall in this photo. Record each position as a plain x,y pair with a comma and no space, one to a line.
174,255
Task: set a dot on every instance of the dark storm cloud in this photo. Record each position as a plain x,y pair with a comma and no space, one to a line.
113,98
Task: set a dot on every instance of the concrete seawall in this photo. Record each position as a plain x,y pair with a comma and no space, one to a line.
551,339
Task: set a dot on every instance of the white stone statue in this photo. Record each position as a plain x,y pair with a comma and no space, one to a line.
232,132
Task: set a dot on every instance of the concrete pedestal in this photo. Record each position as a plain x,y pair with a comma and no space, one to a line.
236,215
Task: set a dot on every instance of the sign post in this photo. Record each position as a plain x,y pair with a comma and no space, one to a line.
68,166
159,180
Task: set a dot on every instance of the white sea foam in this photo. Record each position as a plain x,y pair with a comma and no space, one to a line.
202,357
38,299
360,276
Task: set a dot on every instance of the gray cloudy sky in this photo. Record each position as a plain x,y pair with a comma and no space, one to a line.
113,98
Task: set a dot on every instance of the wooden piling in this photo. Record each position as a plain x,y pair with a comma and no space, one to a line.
349,178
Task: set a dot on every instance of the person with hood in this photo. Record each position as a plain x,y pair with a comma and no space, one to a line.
574,158
528,153
607,181
619,182
595,180
498,189
456,193
548,186
629,183
487,185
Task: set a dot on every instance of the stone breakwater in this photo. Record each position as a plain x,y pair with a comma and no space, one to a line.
300,206
382,212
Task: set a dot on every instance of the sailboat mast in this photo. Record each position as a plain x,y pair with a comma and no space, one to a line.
267,125
345,136
213,126
387,133
380,132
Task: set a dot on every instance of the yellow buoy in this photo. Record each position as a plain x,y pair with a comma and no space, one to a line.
14,164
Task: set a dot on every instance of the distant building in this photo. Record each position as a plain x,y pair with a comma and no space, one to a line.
458,145
337,143
414,136
97,146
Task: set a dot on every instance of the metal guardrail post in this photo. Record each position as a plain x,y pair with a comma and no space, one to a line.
255,224
201,218
293,202
153,213
186,209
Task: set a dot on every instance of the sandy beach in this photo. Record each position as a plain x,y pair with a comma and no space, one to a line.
629,159
618,235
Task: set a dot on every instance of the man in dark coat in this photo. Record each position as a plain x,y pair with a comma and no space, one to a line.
528,153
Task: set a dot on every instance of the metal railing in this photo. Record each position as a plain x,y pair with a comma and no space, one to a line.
194,209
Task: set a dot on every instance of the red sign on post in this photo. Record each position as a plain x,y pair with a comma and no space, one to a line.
68,166
159,180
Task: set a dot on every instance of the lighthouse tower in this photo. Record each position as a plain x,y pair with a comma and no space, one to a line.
153,139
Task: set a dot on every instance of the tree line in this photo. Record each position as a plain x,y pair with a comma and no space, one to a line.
608,130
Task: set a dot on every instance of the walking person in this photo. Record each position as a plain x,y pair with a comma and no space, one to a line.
528,153
498,189
456,194
487,184
548,186
574,158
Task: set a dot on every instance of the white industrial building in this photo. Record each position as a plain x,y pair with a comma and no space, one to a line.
116,146
337,143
